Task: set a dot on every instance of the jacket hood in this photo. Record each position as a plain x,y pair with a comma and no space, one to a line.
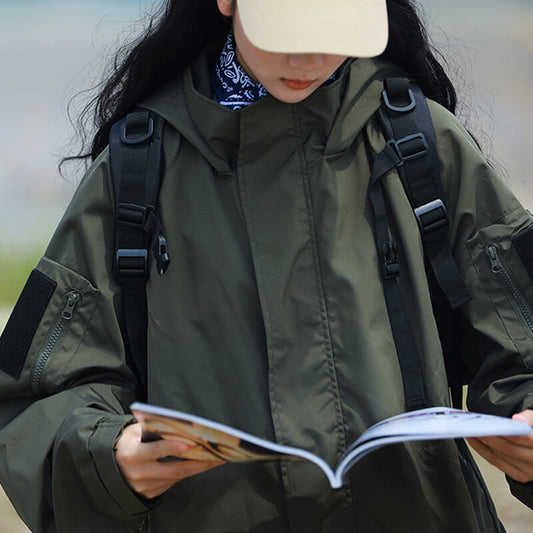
339,110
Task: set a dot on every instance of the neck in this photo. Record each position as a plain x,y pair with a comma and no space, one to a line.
243,64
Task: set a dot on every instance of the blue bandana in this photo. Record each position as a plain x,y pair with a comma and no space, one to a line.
233,88
231,85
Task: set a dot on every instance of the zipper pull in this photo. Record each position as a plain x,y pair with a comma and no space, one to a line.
73,298
495,263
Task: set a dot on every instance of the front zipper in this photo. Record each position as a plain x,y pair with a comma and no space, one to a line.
518,300
56,334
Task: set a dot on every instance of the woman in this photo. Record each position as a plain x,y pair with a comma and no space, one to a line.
271,317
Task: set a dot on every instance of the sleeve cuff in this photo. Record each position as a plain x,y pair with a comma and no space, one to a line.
116,489
522,491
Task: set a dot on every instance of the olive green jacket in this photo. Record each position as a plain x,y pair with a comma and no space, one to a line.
272,319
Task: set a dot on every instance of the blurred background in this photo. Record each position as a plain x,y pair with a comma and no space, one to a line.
51,50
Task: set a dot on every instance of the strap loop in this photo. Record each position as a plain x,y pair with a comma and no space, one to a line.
395,108
137,128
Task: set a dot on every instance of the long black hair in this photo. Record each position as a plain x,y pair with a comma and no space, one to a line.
181,29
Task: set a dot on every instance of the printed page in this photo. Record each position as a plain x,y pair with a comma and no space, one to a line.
445,423
211,441
428,424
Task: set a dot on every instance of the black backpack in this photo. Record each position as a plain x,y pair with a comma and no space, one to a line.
135,147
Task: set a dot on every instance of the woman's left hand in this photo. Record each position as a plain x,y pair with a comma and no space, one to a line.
512,455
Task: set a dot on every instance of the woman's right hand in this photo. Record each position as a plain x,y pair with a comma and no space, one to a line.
139,465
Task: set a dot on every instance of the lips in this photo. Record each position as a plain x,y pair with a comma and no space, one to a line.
297,85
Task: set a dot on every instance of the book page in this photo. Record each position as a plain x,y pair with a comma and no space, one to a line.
428,424
206,443
443,422
211,441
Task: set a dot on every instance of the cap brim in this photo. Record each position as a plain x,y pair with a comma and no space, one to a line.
356,28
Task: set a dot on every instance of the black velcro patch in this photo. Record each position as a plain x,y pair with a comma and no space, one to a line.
18,334
523,244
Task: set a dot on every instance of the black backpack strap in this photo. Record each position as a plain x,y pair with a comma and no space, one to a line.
449,326
408,358
407,125
135,152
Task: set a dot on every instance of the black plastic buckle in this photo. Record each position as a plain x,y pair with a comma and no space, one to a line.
399,109
131,215
411,146
161,254
391,264
131,263
432,216
138,138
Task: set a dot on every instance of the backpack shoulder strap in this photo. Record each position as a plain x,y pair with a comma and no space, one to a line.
407,126
408,129
135,152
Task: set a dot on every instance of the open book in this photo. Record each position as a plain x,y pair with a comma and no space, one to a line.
211,441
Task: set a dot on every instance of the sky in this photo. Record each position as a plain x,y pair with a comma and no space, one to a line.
50,50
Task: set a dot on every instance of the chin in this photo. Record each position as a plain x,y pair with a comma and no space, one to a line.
290,96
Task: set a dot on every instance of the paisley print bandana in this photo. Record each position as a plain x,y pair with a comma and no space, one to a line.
232,87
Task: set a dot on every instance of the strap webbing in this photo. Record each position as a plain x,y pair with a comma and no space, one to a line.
387,252
135,146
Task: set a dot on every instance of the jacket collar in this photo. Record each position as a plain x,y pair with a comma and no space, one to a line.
340,110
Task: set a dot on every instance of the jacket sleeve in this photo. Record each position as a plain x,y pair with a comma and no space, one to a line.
65,385
492,242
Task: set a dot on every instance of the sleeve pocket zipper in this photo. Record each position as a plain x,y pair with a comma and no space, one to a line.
518,300
59,329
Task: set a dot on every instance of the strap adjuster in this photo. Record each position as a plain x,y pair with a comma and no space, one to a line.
391,265
131,263
410,146
131,215
431,216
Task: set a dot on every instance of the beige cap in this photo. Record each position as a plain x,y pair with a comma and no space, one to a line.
357,28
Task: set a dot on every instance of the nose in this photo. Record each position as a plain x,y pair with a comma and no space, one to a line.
306,62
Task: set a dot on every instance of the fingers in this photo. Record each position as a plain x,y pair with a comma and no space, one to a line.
525,416
151,451
139,465
514,456
153,479
130,446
